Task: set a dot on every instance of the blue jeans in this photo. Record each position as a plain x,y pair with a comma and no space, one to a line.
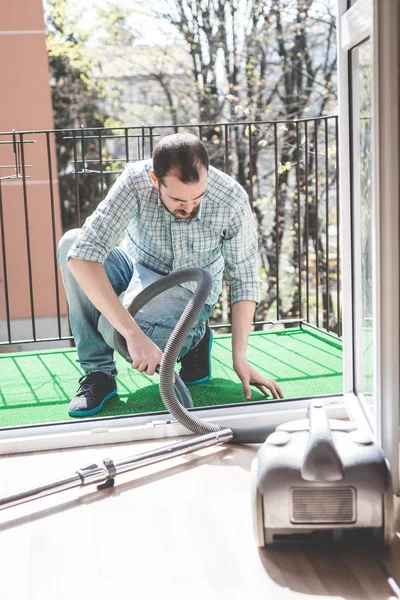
93,334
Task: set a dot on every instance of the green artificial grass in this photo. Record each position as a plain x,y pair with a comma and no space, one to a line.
36,387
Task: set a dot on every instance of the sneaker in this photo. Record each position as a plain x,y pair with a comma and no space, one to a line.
196,364
94,391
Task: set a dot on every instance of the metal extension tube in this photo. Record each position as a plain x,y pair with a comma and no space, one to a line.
103,475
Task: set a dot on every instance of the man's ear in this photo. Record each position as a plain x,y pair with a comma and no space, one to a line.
154,179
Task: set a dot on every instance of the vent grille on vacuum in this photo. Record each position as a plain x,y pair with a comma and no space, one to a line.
323,505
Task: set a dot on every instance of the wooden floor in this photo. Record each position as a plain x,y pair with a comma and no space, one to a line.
180,529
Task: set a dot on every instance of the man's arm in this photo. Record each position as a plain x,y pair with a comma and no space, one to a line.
240,253
242,319
101,231
105,227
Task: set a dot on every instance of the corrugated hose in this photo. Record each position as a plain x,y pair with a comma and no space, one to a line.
176,396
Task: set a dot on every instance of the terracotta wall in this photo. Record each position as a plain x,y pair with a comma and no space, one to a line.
25,104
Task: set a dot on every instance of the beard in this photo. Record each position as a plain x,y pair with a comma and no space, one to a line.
179,213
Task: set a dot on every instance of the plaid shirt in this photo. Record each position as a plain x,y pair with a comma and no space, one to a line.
222,238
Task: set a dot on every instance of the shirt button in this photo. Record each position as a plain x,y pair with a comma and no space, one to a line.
176,245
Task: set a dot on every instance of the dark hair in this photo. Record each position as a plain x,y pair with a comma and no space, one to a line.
182,153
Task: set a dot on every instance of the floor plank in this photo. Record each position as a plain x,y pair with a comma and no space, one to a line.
181,528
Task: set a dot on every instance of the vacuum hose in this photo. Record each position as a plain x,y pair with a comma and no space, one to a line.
172,395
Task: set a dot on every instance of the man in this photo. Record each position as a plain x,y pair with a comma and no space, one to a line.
175,211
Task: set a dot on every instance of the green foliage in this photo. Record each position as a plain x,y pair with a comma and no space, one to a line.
75,50
77,100
75,93
113,19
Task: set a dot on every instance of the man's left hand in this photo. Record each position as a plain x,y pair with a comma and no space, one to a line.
249,376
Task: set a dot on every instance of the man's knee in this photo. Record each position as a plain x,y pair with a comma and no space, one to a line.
65,243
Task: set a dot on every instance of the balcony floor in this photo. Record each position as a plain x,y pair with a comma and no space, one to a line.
178,529
35,387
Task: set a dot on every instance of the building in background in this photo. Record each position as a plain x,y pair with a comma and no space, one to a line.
149,84
25,104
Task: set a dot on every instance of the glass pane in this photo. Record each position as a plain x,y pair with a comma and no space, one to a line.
363,217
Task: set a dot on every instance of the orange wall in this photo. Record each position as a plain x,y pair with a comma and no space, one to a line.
25,104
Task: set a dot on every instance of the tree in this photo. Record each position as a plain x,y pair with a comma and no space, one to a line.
246,62
259,60
309,65
77,102
75,95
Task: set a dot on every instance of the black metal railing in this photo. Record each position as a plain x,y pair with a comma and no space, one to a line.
51,180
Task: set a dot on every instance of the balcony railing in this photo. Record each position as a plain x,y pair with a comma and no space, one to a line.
51,180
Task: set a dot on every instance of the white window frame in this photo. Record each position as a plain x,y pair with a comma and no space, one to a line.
105,430
378,21
111,430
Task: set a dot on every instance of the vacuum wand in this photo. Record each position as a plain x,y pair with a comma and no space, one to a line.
104,474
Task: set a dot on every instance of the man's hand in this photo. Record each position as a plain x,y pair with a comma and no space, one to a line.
144,353
249,376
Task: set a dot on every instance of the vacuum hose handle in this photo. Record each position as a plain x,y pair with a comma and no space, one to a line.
321,459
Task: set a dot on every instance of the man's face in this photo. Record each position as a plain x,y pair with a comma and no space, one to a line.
181,199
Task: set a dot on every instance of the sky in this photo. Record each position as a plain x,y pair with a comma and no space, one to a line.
152,31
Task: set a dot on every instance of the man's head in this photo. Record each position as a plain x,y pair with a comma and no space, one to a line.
180,169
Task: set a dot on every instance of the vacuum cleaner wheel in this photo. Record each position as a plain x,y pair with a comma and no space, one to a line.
388,512
257,506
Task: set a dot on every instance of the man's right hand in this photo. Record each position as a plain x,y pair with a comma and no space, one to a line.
144,353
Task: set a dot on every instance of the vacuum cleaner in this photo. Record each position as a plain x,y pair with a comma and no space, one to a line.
309,474
320,478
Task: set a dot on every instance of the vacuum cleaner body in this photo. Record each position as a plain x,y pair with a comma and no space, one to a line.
319,475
